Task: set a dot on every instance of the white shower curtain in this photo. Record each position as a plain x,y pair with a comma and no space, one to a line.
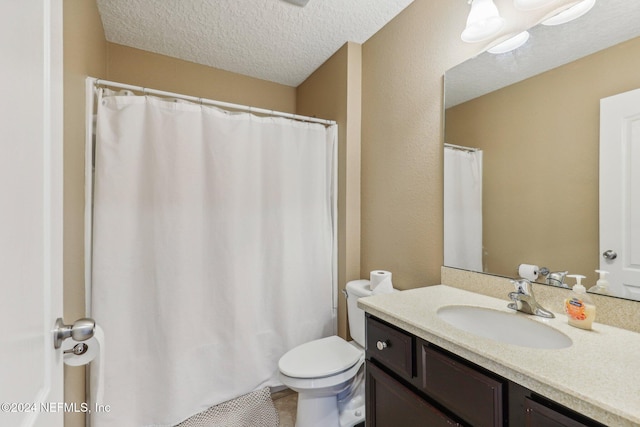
212,255
463,209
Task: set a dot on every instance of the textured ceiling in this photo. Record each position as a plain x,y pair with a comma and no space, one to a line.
609,22
267,39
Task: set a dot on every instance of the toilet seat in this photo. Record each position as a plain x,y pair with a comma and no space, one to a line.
330,385
320,358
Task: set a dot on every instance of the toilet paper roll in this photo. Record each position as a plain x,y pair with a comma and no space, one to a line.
384,288
380,279
528,271
94,355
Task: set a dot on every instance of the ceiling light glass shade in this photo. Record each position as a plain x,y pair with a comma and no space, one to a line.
574,12
531,4
511,43
483,22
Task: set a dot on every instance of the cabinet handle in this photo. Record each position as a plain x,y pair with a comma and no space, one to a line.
381,345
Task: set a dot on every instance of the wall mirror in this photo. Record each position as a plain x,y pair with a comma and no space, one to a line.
528,123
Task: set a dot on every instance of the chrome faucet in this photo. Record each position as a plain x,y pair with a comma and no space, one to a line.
524,301
557,279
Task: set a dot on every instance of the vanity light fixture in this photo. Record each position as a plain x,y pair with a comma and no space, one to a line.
483,22
510,44
574,12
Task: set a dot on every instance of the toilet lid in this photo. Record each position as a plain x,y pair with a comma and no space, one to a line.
319,358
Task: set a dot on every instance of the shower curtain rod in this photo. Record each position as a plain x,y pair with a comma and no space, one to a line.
461,148
98,83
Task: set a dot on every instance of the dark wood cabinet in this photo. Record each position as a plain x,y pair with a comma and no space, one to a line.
539,414
390,403
391,347
475,397
411,382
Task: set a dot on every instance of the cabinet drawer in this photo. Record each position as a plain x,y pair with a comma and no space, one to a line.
474,396
391,347
390,404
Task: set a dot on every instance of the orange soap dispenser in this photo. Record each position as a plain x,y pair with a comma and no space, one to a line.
579,307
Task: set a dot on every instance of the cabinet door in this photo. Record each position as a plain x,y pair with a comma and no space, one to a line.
538,415
390,404
473,396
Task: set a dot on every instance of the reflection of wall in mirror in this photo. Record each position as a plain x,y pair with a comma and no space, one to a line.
540,138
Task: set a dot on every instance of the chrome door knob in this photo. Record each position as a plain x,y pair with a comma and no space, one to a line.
609,254
81,330
381,345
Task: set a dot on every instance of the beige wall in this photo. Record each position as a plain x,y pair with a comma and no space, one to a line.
137,67
84,54
402,67
541,141
333,92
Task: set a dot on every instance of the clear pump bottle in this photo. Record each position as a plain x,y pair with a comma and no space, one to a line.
602,285
579,307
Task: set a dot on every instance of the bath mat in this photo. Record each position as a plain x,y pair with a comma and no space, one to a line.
254,409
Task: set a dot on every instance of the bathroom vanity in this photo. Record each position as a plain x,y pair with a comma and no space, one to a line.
420,370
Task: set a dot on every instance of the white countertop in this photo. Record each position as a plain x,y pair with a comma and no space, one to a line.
598,376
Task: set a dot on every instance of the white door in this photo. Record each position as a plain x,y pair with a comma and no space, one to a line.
620,192
31,381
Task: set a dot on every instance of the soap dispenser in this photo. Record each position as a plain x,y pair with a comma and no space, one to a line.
579,307
602,285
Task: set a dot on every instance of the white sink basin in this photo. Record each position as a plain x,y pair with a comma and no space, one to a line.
507,327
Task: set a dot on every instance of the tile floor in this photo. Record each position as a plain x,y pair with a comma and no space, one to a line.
286,403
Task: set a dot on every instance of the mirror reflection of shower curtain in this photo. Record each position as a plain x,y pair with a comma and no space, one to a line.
213,253
463,209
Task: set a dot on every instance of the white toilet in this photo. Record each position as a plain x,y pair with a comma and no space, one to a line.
328,373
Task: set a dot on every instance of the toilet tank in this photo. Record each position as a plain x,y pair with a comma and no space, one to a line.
357,289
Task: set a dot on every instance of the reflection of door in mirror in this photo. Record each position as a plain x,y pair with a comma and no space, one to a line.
620,192
463,207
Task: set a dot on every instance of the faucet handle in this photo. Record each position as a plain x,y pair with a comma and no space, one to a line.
557,279
524,301
523,286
